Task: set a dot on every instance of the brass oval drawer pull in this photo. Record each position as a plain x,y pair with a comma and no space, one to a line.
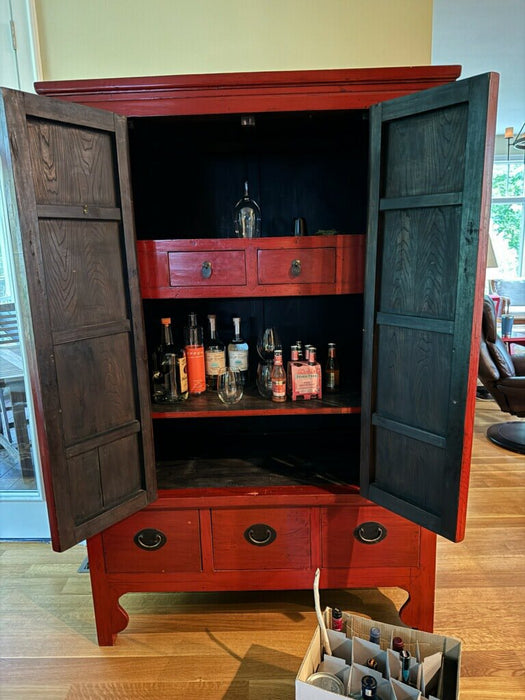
260,534
370,533
150,539
295,268
206,269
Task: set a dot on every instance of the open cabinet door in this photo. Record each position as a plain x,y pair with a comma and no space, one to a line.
430,168
70,213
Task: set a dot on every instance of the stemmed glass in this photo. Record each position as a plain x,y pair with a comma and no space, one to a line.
267,342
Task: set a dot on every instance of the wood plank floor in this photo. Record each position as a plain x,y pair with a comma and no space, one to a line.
249,646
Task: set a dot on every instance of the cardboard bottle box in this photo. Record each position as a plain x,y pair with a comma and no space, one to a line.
436,661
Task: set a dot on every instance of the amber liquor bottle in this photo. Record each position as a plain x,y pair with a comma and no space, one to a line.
170,379
331,375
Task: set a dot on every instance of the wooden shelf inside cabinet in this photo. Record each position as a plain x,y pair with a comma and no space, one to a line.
262,267
251,404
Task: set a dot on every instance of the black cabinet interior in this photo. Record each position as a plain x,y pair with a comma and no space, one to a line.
188,172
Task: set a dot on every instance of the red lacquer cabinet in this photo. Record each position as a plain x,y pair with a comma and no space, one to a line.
123,215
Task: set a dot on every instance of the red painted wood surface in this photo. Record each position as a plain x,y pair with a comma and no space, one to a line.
352,88
329,265
400,547
181,552
289,562
241,93
289,550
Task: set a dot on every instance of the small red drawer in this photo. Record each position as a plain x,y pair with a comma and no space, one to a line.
154,542
264,538
367,536
207,267
301,266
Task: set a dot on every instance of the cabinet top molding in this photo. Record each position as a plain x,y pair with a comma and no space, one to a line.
348,88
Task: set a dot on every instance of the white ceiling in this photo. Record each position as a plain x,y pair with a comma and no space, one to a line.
485,35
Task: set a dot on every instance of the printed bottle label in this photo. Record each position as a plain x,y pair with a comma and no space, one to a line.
183,374
238,359
215,362
196,371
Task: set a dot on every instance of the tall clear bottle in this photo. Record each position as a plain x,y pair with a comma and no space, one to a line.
170,379
214,355
247,216
194,346
238,351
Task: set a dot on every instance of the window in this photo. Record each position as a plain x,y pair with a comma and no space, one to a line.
507,216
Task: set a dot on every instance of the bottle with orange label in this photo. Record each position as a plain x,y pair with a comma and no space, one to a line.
194,346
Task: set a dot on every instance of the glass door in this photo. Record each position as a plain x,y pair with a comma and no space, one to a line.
23,513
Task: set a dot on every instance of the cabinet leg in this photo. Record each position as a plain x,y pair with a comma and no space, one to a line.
110,617
418,611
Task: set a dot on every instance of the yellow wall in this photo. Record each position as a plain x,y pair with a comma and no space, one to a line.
109,38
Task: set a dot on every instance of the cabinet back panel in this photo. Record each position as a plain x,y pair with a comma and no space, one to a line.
188,172
264,452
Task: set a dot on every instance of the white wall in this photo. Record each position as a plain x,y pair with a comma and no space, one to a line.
485,35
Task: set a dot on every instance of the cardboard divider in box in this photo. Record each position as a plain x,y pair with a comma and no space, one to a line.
434,670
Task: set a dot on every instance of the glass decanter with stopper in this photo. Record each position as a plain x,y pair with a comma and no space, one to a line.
247,216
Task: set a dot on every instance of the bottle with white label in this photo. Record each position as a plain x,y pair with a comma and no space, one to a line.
238,352
214,355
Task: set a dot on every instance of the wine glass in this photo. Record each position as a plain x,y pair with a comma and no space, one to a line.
264,379
267,342
230,386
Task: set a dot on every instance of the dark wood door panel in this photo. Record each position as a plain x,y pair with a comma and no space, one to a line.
94,387
71,216
71,164
100,477
419,261
84,277
440,133
429,205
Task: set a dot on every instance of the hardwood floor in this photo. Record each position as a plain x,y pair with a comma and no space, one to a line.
249,646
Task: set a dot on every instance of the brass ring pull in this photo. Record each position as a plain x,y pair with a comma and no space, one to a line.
260,534
150,539
370,533
295,268
206,269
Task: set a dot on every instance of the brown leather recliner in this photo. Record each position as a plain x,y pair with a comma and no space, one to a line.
503,375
